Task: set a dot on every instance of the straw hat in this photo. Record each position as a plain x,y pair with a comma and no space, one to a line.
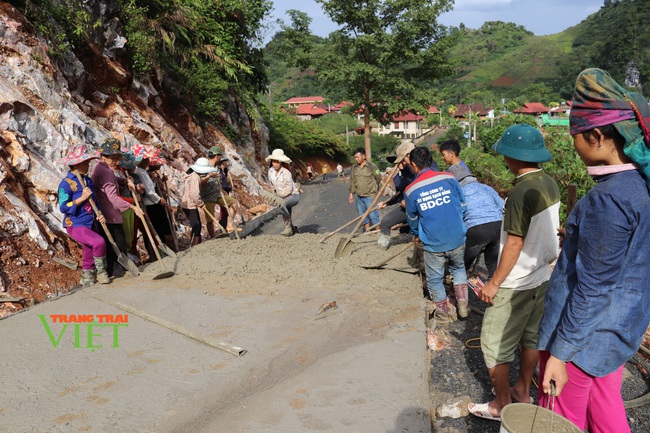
78,155
278,155
202,166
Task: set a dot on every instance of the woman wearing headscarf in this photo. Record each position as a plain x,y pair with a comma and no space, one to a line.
79,218
280,178
597,303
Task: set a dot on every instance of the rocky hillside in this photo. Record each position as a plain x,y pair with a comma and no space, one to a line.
48,105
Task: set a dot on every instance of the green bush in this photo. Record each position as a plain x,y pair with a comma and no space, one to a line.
337,123
298,138
381,146
566,167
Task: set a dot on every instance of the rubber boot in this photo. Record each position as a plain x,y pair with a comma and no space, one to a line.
445,312
384,241
288,230
460,291
102,274
87,277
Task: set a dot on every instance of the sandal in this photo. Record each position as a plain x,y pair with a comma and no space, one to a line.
481,410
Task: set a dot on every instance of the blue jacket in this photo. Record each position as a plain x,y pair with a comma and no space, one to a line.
73,215
483,204
597,304
435,204
401,180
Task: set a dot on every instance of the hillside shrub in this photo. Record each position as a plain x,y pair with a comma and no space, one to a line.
299,138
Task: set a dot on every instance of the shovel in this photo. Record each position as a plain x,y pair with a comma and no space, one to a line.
327,236
147,222
346,245
122,259
170,218
232,185
223,233
165,273
230,215
382,263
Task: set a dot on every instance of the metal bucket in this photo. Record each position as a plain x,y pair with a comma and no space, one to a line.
529,418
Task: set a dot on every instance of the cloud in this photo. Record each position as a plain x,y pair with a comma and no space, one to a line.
481,4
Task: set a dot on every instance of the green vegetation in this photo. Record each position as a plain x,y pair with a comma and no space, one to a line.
565,167
381,58
299,138
206,49
338,123
64,24
505,61
204,46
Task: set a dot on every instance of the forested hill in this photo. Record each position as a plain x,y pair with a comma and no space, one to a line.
503,60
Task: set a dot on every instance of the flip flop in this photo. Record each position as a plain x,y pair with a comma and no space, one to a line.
481,410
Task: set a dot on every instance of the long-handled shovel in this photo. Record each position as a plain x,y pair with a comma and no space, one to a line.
122,258
327,236
382,263
223,233
170,218
161,245
232,185
165,273
230,215
346,245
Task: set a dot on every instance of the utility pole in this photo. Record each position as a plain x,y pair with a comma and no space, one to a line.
474,136
469,129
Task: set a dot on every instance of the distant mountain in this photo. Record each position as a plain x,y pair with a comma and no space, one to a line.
506,61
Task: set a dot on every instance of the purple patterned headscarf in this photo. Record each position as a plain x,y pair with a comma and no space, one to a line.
598,100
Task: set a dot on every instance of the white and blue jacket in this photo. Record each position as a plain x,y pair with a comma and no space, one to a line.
435,205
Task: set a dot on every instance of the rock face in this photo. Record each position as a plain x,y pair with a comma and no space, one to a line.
48,106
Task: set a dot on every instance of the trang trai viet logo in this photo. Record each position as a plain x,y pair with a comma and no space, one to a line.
87,331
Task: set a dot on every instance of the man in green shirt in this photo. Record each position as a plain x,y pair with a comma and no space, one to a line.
364,184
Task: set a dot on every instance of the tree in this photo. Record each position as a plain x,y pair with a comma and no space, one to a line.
384,56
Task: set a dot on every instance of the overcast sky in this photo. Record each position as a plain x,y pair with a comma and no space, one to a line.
542,17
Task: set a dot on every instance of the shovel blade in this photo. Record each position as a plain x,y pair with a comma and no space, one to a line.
131,267
166,274
344,248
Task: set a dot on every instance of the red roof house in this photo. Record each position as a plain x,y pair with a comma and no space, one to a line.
463,110
309,111
295,102
532,108
403,125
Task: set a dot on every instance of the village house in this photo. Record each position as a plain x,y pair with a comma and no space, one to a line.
310,111
300,100
532,109
462,113
406,125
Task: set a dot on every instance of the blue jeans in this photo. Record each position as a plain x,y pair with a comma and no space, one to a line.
362,205
434,264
